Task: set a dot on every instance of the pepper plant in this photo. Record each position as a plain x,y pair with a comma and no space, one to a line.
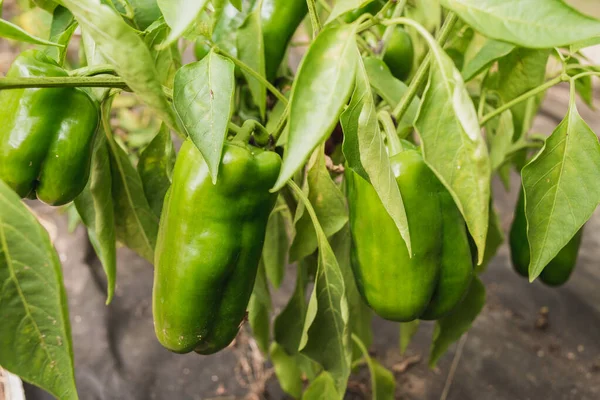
367,169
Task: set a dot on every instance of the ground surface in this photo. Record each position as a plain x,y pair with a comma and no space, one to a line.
516,349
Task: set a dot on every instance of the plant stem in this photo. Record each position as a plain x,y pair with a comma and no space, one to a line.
94,70
281,124
55,82
365,352
314,17
311,211
390,28
325,6
421,74
523,97
389,128
252,72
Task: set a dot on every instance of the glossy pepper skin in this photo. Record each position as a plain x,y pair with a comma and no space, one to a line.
432,282
558,271
209,245
46,135
280,19
399,54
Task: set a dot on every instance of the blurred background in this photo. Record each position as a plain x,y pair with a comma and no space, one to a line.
530,342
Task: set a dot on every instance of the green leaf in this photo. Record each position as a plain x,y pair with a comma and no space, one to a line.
321,90
360,314
62,28
203,98
136,226
322,388
289,374
95,207
391,90
584,85
237,4
329,203
491,51
289,324
155,167
495,238
365,150
11,31
519,72
145,12
575,47
450,328
528,23
180,15
325,337
259,308
500,132
561,188
385,387
121,46
275,250
407,331
251,51
167,60
35,335
343,6
457,152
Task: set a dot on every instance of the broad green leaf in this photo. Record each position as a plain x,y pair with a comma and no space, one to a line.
528,23
287,370
365,150
11,31
322,388
145,12
360,314
203,97
450,328
125,50
62,28
519,72
325,337
167,60
259,308
35,335
385,388
251,51
343,6
95,207
575,47
155,167
329,203
289,324
391,90
407,331
562,188
180,15
136,226
453,145
321,89
491,51
275,249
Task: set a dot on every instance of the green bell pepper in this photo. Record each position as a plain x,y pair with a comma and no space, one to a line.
558,271
46,135
434,281
209,245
